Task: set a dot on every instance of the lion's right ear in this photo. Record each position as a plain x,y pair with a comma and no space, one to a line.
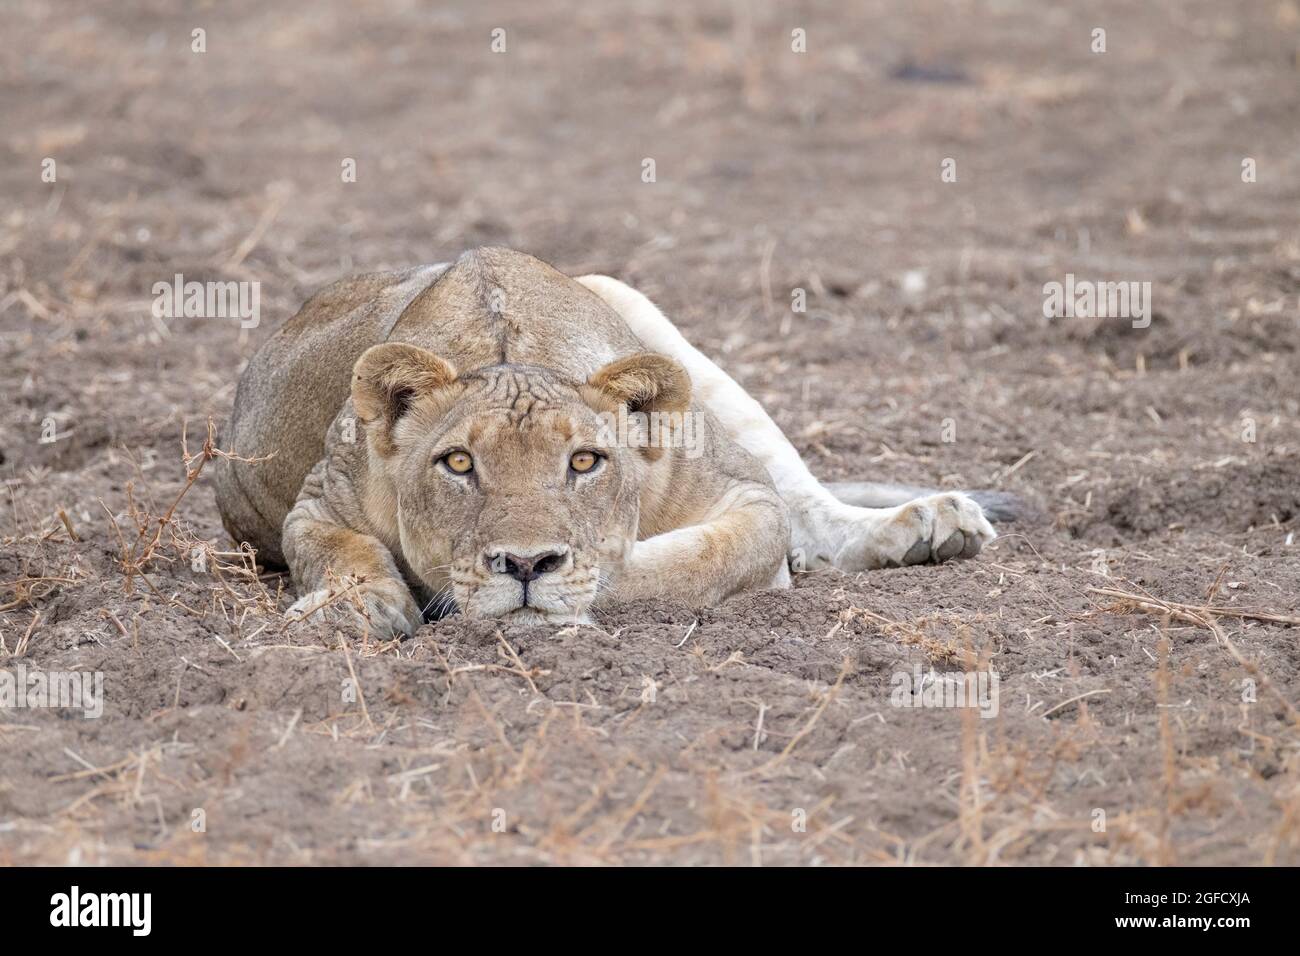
387,380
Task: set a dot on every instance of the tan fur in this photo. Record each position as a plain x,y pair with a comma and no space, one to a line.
520,366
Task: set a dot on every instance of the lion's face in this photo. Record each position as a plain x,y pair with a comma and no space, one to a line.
512,497
515,498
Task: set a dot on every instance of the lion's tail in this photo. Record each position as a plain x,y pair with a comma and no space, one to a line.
997,505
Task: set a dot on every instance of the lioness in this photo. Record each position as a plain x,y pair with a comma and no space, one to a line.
513,443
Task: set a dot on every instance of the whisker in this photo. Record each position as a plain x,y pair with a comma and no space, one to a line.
440,598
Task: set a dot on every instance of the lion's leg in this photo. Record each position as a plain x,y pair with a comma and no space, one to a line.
740,547
824,530
334,566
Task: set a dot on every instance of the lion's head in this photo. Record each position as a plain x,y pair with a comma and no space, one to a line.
508,489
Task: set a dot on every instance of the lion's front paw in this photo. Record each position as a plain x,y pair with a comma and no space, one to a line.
385,607
929,530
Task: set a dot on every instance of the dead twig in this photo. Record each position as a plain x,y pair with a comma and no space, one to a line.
1205,617
1155,604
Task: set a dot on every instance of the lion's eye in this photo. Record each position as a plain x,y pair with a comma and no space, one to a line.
458,461
583,461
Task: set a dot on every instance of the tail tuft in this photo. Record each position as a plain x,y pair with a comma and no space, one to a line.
1000,505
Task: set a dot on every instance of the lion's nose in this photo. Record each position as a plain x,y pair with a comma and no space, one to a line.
525,567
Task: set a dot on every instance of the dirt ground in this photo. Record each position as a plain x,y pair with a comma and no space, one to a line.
1164,462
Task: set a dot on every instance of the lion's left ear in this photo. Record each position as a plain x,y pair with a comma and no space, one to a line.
645,382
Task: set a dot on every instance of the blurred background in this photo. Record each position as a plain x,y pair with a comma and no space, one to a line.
529,125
